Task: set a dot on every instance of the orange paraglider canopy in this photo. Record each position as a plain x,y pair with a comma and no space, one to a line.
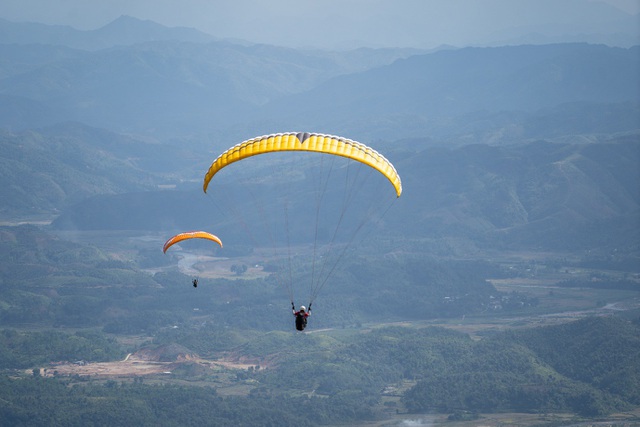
190,235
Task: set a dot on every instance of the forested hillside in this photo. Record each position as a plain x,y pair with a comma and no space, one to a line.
586,366
346,378
43,171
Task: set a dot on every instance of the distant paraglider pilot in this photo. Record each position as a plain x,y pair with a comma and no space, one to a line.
301,316
195,283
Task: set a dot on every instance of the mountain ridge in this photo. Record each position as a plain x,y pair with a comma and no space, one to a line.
175,88
124,30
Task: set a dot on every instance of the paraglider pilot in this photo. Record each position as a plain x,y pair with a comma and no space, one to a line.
195,283
301,316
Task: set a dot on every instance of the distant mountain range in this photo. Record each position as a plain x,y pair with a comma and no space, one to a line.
140,77
445,92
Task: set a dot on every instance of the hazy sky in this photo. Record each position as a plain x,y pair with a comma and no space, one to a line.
329,23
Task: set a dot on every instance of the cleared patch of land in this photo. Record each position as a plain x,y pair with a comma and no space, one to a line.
141,363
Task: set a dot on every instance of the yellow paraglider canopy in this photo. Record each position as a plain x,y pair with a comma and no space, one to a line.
302,141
